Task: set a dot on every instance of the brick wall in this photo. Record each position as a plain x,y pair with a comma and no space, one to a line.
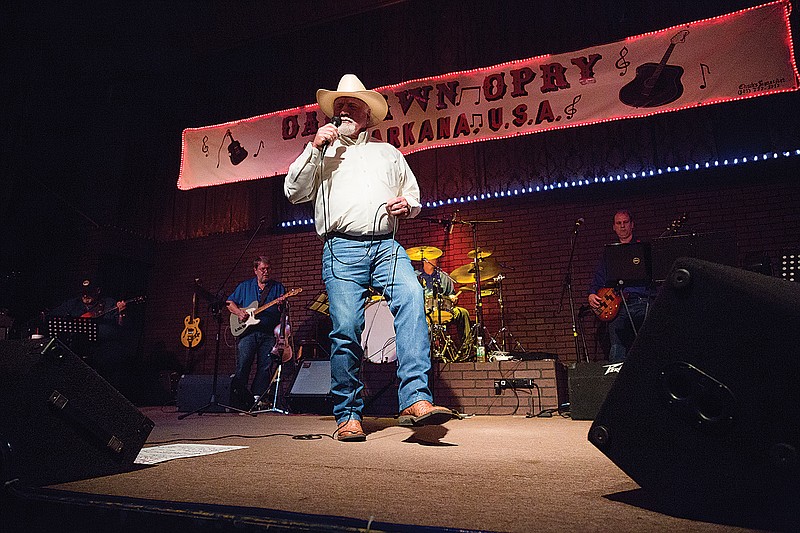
760,203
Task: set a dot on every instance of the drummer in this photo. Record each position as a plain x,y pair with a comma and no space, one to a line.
436,282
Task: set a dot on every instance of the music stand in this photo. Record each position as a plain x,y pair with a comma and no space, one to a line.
628,265
716,247
66,326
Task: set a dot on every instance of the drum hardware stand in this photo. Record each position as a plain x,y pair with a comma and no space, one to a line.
479,330
567,288
216,303
502,353
441,342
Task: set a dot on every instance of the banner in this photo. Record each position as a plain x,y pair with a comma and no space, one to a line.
744,54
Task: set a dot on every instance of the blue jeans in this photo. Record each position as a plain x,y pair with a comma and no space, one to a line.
255,346
621,332
349,267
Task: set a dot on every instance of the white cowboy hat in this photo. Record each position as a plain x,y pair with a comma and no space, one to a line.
351,86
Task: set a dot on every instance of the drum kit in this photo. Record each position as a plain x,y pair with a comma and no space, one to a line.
482,274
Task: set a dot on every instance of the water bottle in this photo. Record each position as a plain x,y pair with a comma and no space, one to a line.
480,351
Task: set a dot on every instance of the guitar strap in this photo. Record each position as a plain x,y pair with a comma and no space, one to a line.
265,292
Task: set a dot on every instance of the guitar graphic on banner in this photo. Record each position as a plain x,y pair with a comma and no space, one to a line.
655,84
239,326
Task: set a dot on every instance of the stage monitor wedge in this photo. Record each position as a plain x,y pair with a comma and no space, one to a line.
705,408
61,421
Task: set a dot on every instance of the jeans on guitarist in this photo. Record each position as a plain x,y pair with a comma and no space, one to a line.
256,342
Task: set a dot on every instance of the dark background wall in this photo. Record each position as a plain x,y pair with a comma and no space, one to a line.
95,99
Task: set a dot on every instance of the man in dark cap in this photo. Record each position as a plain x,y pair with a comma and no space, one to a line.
106,354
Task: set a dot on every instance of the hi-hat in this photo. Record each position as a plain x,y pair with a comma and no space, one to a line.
418,253
480,253
484,292
466,273
488,284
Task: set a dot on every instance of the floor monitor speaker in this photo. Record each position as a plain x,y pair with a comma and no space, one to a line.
311,390
705,407
61,421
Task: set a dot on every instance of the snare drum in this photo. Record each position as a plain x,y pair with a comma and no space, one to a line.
438,310
377,340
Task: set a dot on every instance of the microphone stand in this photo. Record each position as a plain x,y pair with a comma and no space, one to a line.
567,287
216,309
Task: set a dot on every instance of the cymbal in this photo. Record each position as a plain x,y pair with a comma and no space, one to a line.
480,253
466,274
417,253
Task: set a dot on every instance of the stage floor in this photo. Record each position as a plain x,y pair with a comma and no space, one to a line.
493,473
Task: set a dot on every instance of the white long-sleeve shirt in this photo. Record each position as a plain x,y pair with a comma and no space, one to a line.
350,190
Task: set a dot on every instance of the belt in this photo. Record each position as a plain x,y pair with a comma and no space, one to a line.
360,238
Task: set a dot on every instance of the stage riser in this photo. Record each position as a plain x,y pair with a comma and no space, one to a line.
465,387
469,387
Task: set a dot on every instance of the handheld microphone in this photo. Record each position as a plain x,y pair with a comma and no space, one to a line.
336,121
578,224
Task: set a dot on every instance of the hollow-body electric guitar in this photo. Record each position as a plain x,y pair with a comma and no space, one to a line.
192,335
239,326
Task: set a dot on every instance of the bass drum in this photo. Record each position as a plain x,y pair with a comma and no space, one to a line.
378,337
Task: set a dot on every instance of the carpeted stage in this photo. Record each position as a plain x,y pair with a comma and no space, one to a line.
491,473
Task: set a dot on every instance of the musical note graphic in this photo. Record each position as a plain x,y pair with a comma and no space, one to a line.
260,145
702,72
570,110
205,146
480,121
623,64
476,88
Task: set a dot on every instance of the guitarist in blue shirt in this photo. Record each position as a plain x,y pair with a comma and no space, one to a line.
256,341
623,321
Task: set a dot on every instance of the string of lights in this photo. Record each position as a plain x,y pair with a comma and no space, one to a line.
580,182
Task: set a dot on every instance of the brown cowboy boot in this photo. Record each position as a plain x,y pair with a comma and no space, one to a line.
351,431
424,413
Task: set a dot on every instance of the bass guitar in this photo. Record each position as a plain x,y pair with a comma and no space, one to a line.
609,304
239,326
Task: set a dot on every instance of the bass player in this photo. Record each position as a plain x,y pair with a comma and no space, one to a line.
624,320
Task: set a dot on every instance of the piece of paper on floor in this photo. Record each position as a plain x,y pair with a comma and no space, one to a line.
159,454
